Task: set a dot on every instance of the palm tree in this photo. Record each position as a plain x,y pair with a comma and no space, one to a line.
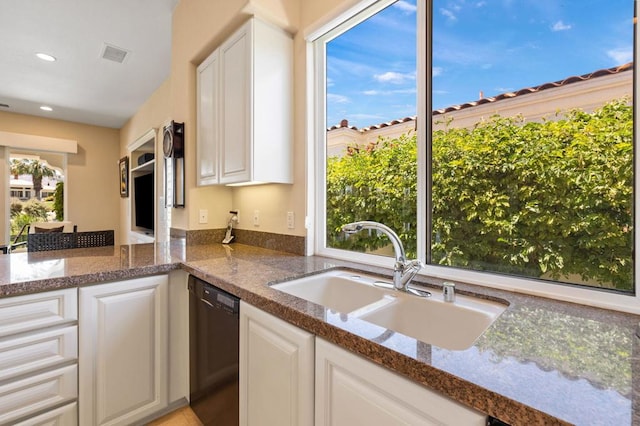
36,168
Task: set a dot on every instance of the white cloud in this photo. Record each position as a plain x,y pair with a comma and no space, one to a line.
389,92
338,99
394,77
560,26
405,7
448,14
436,71
621,55
481,4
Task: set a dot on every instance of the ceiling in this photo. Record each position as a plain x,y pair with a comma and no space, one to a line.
81,85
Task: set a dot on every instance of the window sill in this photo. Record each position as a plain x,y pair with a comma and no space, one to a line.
595,297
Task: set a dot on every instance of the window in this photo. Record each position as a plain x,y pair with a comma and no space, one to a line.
371,108
36,190
523,174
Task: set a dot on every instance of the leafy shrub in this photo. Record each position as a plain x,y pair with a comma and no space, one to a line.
58,201
18,221
15,207
375,183
551,199
37,210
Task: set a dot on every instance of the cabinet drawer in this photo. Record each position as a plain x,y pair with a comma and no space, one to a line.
22,397
32,351
34,311
67,415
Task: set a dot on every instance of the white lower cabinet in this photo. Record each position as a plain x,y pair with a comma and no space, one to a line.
353,391
38,358
276,370
123,351
280,384
67,415
36,311
20,398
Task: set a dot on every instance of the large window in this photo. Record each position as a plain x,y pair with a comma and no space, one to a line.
520,169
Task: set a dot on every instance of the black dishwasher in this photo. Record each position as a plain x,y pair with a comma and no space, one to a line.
213,352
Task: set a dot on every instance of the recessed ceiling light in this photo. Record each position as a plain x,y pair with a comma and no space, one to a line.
46,108
45,57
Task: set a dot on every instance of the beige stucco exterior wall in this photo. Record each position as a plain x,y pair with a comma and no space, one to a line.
91,186
544,105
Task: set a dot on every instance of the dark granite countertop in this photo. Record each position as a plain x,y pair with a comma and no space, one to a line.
541,362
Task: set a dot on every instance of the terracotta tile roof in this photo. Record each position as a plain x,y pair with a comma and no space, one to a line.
528,90
508,95
345,123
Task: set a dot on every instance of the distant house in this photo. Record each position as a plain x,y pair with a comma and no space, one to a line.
586,92
22,187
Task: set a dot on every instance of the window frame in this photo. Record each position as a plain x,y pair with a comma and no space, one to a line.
316,171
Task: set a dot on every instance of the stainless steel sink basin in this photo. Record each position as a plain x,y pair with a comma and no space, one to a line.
454,326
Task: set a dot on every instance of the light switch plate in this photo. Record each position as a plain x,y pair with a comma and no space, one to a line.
204,216
290,220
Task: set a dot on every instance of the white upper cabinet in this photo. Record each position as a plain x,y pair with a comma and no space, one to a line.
208,114
245,114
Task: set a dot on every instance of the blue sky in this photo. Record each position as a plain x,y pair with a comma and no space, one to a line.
489,46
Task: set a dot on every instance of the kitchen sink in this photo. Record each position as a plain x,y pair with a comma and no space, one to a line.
340,291
454,326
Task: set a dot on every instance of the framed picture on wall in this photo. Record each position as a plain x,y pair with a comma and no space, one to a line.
124,176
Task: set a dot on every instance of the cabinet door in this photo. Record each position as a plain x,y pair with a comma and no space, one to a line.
276,370
235,107
353,391
208,119
123,351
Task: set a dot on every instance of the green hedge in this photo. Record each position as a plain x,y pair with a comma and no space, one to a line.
551,199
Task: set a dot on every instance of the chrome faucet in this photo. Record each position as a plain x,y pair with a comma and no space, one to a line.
403,270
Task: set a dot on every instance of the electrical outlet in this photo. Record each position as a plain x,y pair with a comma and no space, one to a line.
256,218
290,220
204,216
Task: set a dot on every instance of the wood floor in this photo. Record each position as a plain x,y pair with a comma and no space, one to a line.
181,417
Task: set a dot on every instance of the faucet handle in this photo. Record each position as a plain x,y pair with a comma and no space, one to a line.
449,291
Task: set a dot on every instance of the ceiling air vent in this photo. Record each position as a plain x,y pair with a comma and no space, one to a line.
113,53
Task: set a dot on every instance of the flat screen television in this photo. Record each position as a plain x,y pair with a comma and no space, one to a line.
143,194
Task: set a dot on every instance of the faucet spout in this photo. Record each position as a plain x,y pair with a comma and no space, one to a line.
403,270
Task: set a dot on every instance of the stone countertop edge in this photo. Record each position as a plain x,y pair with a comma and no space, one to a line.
246,271
74,281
